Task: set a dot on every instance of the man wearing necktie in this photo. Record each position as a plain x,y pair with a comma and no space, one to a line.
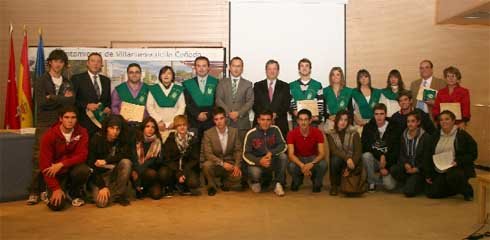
273,94
426,81
92,92
199,93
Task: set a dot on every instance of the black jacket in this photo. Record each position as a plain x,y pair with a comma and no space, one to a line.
47,108
280,102
85,94
422,152
112,153
426,121
172,155
466,151
391,139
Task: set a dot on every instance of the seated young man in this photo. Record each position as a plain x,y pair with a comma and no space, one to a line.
264,151
222,153
415,147
109,156
306,152
381,146
63,153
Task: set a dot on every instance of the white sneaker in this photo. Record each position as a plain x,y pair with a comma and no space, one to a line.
255,187
77,202
44,197
279,190
33,199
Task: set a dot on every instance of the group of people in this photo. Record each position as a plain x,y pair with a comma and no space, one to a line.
85,149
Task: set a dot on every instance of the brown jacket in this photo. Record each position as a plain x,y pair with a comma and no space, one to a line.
213,152
436,84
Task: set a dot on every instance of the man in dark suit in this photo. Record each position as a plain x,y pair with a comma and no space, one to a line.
199,94
92,94
273,94
222,153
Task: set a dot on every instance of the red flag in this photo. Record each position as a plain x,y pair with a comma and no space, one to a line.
11,120
24,88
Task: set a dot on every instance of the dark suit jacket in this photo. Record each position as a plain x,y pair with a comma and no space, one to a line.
280,102
212,147
85,94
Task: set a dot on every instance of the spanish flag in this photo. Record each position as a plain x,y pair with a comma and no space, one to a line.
24,88
11,101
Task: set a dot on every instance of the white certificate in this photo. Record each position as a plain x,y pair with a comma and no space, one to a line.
132,112
310,105
454,108
443,160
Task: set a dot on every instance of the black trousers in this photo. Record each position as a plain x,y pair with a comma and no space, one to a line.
413,184
168,177
72,183
450,183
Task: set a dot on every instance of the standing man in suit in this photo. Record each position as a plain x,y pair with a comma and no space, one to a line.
222,153
273,94
199,93
236,96
426,80
92,93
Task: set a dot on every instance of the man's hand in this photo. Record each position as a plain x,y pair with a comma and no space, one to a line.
274,116
236,171
407,167
228,167
461,125
382,161
68,93
51,171
202,116
161,126
234,116
100,163
454,163
429,102
92,106
428,180
350,164
383,172
265,161
413,170
107,110
103,196
182,179
306,169
56,198
295,113
315,118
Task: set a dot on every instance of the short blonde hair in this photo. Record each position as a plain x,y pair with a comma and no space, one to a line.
180,120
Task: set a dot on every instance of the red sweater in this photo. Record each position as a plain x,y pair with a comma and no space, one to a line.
460,95
54,149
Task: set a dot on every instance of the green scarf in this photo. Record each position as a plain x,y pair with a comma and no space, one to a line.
164,100
309,94
365,108
205,99
335,103
126,96
388,93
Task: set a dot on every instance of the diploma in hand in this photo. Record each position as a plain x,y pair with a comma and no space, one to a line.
310,105
454,108
132,112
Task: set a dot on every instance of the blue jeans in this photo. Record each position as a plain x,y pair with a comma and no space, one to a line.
318,171
277,169
372,166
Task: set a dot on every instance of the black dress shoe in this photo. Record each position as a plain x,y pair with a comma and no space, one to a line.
123,201
225,188
334,190
317,189
211,191
294,187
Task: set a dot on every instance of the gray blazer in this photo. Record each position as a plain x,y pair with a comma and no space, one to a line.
242,103
212,150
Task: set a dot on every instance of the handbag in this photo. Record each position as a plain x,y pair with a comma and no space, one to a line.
355,183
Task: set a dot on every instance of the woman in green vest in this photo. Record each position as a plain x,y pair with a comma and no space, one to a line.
165,100
336,97
394,85
364,98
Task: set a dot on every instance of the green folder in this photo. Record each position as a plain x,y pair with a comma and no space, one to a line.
429,94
